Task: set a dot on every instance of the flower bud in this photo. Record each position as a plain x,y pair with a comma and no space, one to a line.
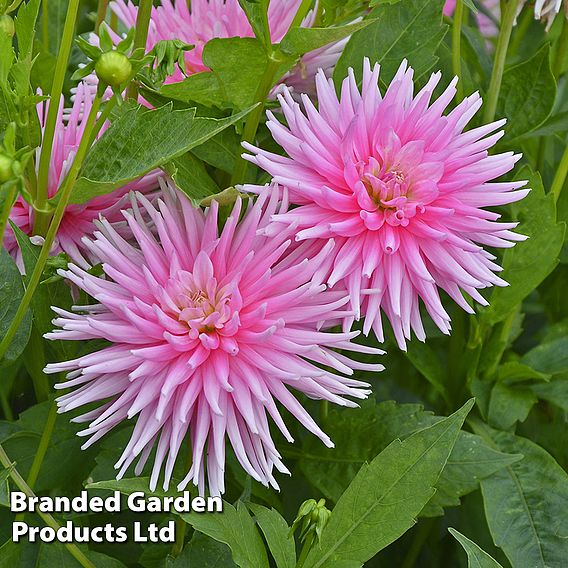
113,68
312,516
6,168
7,25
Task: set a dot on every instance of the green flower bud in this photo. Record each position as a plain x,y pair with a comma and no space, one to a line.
6,168
7,25
113,68
312,517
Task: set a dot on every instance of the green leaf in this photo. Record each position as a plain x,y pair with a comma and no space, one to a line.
25,27
527,94
299,41
47,294
55,554
526,503
238,80
11,293
470,461
203,552
201,88
386,496
477,557
192,178
221,151
65,465
555,392
550,358
530,262
427,362
277,534
235,528
257,15
130,485
123,154
410,30
509,404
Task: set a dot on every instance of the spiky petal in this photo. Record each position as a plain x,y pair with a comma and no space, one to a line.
401,188
208,333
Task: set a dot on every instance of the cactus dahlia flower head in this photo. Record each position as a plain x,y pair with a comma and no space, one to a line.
208,332
401,188
209,19
78,219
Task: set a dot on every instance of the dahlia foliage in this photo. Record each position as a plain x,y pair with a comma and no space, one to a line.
274,253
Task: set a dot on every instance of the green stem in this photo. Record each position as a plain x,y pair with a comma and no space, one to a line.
46,518
101,14
180,537
456,46
521,29
306,550
34,361
302,12
324,410
560,177
507,22
140,38
6,208
6,408
43,445
561,50
45,24
42,216
253,119
64,196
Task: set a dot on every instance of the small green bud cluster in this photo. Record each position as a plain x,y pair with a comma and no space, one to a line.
312,518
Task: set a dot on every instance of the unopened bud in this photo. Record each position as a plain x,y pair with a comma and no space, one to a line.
6,168
313,517
7,25
113,68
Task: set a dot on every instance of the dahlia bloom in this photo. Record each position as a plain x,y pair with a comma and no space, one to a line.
78,219
208,332
402,190
209,19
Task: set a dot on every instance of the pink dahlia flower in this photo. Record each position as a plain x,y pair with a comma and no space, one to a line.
401,188
209,19
208,332
78,219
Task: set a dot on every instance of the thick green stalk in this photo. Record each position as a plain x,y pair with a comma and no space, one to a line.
302,12
140,38
507,23
253,119
65,194
46,518
456,46
308,544
34,361
101,14
561,50
560,177
45,24
42,216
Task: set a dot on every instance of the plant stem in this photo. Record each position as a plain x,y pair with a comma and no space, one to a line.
42,216
561,49
456,46
101,14
560,177
46,517
140,38
181,525
34,361
65,194
507,22
6,208
45,24
301,13
306,550
253,119
43,445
